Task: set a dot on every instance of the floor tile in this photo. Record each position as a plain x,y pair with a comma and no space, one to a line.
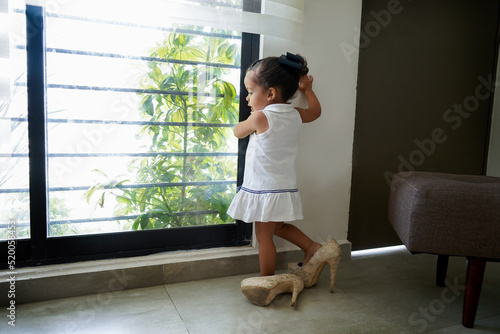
484,326
147,310
316,311
401,288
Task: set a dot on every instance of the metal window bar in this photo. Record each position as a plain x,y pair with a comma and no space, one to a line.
121,90
105,219
126,186
131,186
98,121
136,155
122,56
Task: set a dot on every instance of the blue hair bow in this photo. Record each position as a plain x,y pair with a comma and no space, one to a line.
291,60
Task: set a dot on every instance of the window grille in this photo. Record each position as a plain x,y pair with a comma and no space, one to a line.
84,116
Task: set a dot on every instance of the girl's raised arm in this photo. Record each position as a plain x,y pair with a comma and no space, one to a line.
313,111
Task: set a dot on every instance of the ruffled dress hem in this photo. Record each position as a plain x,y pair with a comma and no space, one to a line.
266,205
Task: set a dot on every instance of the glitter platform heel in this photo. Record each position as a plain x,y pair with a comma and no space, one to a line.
310,273
263,289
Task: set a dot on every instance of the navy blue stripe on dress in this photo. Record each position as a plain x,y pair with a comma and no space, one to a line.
276,191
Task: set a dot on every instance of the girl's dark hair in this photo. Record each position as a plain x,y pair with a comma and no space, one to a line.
271,73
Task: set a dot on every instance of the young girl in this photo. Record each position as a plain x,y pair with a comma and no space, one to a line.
269,195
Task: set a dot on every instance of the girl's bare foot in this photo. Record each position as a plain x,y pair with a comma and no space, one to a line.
309,254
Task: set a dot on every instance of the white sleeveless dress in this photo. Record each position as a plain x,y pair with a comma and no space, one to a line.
269,191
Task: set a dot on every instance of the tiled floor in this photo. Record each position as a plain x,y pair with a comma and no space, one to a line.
386,293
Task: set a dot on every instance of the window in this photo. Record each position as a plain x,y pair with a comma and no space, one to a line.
124,126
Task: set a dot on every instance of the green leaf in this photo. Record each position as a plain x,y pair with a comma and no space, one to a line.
88,194
136,223
184,78
231,51
168,83
147,105
157,75
176,145
144,221
101,200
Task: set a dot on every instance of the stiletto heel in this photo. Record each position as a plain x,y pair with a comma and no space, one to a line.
334,263
263,289
298,286
310,272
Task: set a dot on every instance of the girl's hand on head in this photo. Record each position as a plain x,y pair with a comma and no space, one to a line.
305,83
313,110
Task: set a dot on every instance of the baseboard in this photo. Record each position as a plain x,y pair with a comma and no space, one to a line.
104,276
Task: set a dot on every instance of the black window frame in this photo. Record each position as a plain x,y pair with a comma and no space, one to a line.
39,249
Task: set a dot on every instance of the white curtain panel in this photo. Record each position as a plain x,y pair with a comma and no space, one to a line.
279,18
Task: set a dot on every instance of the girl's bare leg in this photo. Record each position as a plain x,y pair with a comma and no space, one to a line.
294,235
267,250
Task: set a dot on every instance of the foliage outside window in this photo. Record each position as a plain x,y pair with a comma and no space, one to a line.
197,134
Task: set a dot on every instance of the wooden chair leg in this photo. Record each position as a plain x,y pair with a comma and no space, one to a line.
473,284
441,269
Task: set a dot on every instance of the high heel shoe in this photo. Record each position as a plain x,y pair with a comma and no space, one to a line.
263,289
311,271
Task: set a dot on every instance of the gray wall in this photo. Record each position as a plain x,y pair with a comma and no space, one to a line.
424,99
